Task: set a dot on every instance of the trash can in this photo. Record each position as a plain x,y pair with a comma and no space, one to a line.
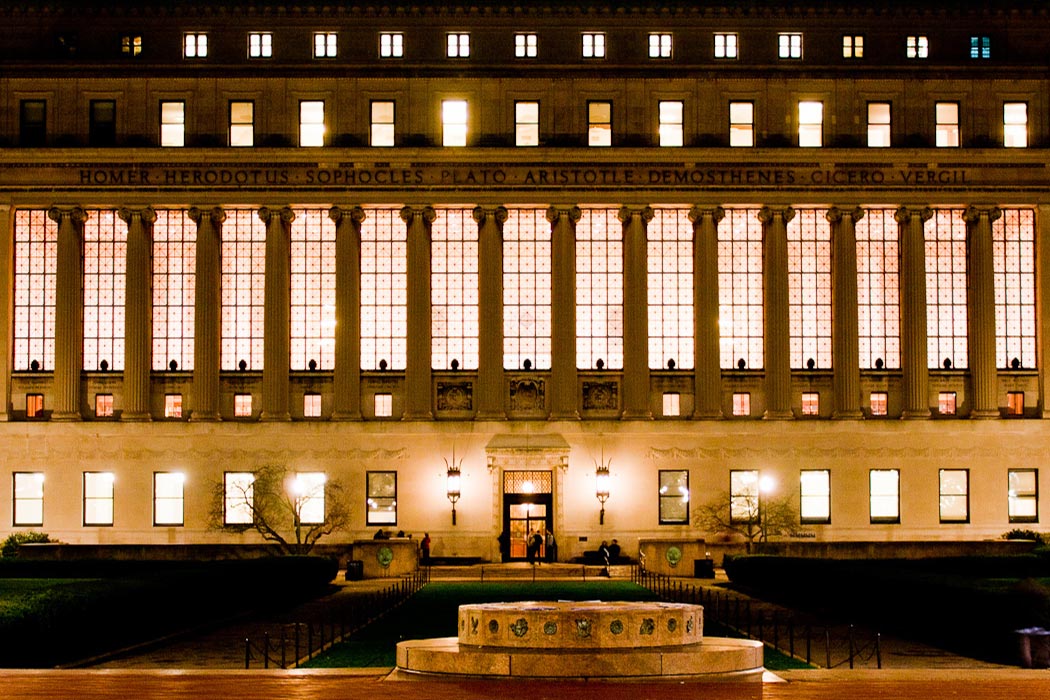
1034,647
703,568
355,570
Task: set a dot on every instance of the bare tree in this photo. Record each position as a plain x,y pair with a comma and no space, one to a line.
750,515
281,506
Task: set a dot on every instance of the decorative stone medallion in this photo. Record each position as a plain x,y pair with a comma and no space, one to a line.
583,628
474,625
527,395
519,627
493,626
616,627
673,555
550,628
648,626
384,556
455,396
689,626
601,396
672,624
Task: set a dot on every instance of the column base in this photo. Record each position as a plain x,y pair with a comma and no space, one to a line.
138,417
269,417
347,416
565,415
778,415
205,417
65,417
847,415
984,414
708,415
912,414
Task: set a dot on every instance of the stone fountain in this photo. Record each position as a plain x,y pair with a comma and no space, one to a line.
581,640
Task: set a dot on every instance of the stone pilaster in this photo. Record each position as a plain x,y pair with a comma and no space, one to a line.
777,312
914,370
277,311
981,311
845,322
564,390
1042,312
635,312
490,312
7,231
417,364
208,313
138,317
346,384
707,401
69,312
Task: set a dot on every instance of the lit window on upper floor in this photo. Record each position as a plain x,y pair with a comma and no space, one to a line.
599,124
946,119
917,47
381,131
725,45
242,405
1015,403
260,45
526,123
173,405
594,45
311,123
103,405
672,405
742,404
194,45
878,125
242,123
173,124
457,45
526,45
810,403
946,403
311,405
742,124
326,44
672,123
879,403
980,47
131,44
810,124
852,46
1015,124
391,45
789,45
383,405
660,45
454,117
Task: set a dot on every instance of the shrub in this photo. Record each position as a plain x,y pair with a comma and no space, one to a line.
1019,534
10,546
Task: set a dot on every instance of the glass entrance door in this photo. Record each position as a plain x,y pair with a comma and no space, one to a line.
523,519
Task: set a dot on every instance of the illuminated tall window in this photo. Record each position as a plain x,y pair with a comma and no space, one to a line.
168,491
946,290
878,290
740,306
454,289
28,503
1013,246
815,493
884,495
1015,124
105,262
313,290
672,123
174,293
454,114
809,289
36,249
238,498
670,289
599,290
526,289
308,488
243,279
384,279
98,498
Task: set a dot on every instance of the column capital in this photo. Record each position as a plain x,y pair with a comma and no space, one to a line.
767,214
76,214
408,214
215,215
973,214
554,214
903,215
146,214
499,215
698,212
835,214
626,213
354,213
286,214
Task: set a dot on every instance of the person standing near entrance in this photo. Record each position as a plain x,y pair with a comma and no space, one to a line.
552,547
424,549
504,545
532,548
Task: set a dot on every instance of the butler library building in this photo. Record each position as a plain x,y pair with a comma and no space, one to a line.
576,266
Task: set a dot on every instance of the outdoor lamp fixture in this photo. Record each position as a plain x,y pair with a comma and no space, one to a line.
452,474
601,482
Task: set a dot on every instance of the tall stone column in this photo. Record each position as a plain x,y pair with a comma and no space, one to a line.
1042,233
6,294
207,309
138,318
490,312
277,312
69,312
635,313
707,401
418,400
564,392
981,311
914,370
845,331
346,384
777,312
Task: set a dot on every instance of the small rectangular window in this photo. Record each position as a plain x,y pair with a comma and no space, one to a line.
980,47
382,127
131,45
457,45
34,405
810,124
853,46
815,489
194,45
308,488
381,498
742,124
955,495
173,124
599,124
526,45
326,44
672,404
742,404
789,45
879,403
878,125
173,405
32,124
28,504
674,496
311,123
725,45
672,123
1015,124
917,47
1015,403
454,114
947,121
885,495
526,123
242,405
238,498
102,123
103,405
1023,495
810,403
946,403
660,45
311,405
593,45
98,498
391,45
384,405
242,124
260,45
744,496
168,498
